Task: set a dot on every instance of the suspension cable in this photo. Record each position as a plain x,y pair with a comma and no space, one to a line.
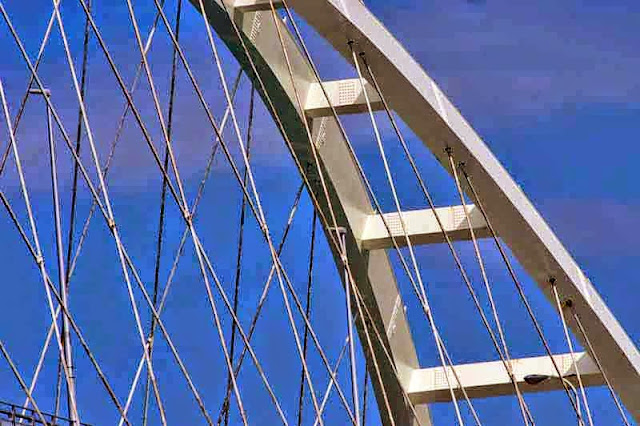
504,354
239,254
356,162
265,289
307,312
364,395
72,213
519,287
280,272
111,219
65,312
163,196
594,356
27,92
32,224
396,200
560,306
23,385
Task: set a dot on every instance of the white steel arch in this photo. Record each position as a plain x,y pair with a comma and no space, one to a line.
418,101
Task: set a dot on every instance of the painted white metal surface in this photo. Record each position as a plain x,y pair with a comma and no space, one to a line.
422,227
346,96
423,107
372,270
485,379
244,6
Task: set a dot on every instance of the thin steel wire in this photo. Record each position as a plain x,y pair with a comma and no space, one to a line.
163,196
307,307
22,383
504,354
74,326
32,224
596,359
236,283
414,261
559,306
518,285
110,215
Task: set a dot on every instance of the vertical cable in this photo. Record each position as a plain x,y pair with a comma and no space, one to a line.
559,305
236,287
307,312
595,358
355,395
518,285
163,196
504,354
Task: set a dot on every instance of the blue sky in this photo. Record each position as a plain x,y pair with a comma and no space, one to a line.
552,87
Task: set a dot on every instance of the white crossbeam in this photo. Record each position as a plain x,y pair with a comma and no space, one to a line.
255,5
346,96
422,227
486,379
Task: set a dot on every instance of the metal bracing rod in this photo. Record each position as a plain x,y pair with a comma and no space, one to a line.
396,200
352,350
156,278
504,356
307,312
66,313
595,358
518,285
23,385
62,277
110,216
32,224
565,329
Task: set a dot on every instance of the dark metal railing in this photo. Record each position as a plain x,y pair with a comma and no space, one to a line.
11,414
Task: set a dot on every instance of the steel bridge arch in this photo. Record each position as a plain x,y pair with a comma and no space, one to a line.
415,97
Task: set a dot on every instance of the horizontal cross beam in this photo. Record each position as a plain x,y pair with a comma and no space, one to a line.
346,96
422,227
255,5
487,379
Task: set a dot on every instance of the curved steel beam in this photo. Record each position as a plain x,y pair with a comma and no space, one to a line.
419,102
372,270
